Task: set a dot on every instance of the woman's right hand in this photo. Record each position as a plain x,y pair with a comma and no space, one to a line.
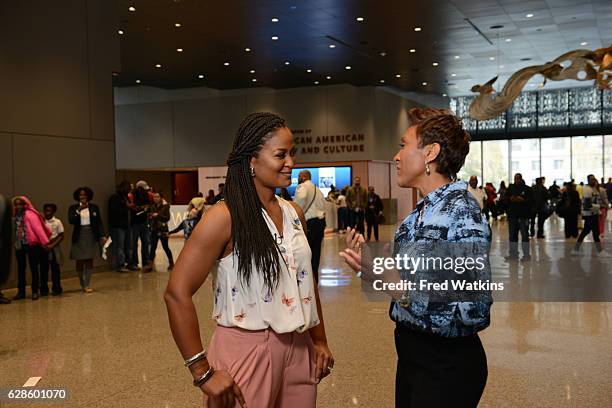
352,253
223,391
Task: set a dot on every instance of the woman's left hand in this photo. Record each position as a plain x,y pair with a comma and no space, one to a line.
324,360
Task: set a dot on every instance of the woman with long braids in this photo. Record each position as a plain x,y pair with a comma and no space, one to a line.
269,347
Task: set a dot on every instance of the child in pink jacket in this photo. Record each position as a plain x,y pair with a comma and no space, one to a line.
31,235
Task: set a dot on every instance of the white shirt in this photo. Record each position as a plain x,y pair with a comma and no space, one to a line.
55,226
478,194
341,201
292,306
304,194
85,219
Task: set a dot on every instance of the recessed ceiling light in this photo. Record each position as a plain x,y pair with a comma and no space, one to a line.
254,79
529,15
274,38
332,45
492,58
226,64
275,20
360,19
328,77
424,83
158,66
398,75
120,32
508,39
435,64
583,43
309,70
247,49
444,95
201,76
382,81
287,62
179,50
347,67
412,50
138,81
417,28
132,8
457,57
383,54
453,75
178,25
316,82
252,71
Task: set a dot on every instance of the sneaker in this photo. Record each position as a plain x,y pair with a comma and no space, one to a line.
604,254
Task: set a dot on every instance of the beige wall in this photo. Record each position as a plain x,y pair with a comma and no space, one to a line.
56,109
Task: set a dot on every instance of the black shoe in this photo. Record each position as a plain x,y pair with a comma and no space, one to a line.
133,268
511,258
56,293
44,293
19,296
3,300
526,258
541,236
35,296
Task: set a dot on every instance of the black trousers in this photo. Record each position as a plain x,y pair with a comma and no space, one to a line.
33,254
372,220
356,220
315,231
438,372
48,261
155,237
571,226
541,215
591,224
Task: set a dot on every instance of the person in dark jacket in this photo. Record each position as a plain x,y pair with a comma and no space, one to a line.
87,235
569,209
119,226
373,212
540,207
159,214
519,200
139,228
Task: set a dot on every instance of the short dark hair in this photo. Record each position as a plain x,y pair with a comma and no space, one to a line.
441,126
87,191
52,206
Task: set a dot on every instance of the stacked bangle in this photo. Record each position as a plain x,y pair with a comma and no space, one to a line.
209,373
195,358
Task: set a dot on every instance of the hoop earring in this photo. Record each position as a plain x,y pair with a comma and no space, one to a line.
252,171
427,171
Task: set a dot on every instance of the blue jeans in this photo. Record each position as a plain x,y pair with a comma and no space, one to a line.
516,225
140,231
118,247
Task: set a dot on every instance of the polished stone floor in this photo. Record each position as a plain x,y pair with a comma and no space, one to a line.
113,348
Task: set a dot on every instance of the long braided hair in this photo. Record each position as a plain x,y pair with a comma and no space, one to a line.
251,237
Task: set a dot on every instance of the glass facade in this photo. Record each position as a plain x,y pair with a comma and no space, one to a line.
558,159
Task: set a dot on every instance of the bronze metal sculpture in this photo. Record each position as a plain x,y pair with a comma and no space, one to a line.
584,65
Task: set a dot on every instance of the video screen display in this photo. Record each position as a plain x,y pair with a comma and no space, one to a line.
323,177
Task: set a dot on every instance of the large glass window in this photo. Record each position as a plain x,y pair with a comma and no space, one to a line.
608,157
524,153
473,163
495,165
587,157
556,159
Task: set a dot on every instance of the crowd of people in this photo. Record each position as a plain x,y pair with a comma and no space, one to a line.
583,206
137,214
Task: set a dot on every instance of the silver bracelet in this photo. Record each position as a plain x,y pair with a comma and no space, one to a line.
195,358
209,373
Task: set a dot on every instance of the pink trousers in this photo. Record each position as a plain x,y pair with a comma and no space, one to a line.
272,370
